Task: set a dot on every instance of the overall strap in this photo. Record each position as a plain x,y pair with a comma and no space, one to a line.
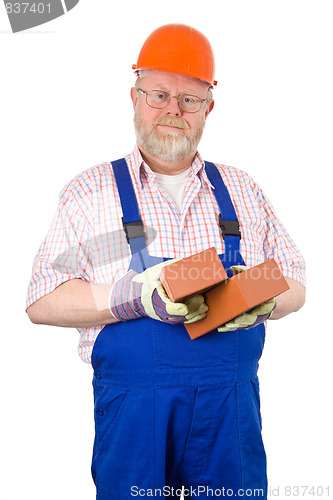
228,221
132,223
126,192
131,219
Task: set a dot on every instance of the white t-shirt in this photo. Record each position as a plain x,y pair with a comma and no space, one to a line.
174,185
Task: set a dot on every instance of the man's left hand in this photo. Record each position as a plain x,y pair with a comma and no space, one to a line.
251,318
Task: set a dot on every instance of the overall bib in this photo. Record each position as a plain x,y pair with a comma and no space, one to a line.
171,411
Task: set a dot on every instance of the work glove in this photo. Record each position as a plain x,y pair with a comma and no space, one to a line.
138,295
250,318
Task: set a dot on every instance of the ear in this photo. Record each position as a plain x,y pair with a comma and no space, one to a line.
134,96
209,108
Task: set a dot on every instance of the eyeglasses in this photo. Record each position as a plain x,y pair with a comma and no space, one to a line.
160,99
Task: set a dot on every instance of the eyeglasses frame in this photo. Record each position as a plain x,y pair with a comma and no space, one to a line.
171,97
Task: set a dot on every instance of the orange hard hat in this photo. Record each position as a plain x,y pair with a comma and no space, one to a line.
177,48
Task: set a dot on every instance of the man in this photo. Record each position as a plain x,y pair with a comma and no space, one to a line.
169,411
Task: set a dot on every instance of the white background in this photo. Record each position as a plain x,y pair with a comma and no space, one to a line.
65,107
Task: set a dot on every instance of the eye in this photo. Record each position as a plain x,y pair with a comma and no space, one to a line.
159,96
190,102
188,99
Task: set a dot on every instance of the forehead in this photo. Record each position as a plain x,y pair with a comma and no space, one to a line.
172,82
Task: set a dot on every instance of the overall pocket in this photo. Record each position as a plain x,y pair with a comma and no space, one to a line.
108,404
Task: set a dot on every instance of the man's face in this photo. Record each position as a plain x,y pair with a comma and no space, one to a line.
169,134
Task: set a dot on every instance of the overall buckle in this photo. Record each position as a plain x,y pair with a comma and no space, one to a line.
133,229
229,227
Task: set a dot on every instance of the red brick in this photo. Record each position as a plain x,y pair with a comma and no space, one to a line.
239,294
194,274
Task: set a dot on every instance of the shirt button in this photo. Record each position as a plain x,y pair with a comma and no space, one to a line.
100,412
98,375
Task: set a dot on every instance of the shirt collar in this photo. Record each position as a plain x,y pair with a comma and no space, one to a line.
199,169
142,169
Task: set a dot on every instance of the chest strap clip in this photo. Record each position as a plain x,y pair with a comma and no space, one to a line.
229,227
133,229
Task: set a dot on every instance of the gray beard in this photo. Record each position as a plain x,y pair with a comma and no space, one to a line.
166,147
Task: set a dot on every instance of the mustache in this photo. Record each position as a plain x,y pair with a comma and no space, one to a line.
173,121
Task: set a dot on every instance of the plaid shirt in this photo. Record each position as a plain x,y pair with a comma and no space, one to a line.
86,239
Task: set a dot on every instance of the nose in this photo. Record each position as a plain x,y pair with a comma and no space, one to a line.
173,107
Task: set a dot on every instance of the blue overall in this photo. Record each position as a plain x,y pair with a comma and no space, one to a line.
171,411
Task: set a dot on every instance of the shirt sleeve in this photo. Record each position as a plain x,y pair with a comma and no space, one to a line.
278,244
63,255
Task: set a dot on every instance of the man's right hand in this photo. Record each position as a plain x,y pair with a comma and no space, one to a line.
138,295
